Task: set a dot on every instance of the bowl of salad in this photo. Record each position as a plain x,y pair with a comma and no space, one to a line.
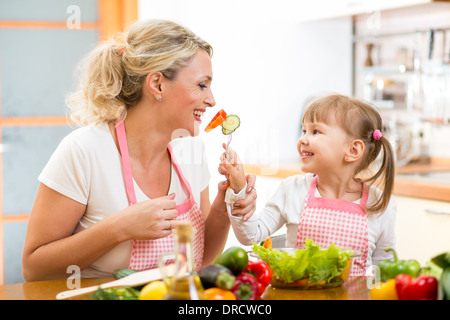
308,268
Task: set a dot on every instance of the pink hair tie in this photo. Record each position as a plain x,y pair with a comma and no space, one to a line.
377,134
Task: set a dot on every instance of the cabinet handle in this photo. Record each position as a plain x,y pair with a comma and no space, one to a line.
437,211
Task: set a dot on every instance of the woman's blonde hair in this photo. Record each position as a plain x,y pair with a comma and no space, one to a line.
359,120
113,74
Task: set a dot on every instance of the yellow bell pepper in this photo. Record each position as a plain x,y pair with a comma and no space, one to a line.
386,291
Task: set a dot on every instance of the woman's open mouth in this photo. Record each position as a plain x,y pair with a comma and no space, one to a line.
198,114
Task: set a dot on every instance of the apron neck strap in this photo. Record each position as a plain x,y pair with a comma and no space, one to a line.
183,180
126,166
364,197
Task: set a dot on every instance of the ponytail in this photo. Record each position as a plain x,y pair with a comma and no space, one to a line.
100,83
384,176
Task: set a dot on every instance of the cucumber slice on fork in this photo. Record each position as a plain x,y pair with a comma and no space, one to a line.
230,124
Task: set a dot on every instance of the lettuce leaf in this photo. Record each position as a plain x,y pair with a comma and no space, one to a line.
313,263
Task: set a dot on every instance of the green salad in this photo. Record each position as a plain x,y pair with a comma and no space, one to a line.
313,263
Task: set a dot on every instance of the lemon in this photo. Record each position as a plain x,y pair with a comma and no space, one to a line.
155,290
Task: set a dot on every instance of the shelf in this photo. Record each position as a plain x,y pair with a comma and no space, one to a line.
391,70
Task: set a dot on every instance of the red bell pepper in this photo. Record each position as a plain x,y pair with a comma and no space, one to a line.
262,272
217,120
246,287
424,287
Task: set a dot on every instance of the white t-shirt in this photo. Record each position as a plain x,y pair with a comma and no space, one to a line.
86,167
286,205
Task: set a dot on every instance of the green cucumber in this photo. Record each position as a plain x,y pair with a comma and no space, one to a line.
230,124
225,131
235,259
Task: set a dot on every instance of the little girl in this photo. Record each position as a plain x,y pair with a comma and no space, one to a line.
338,200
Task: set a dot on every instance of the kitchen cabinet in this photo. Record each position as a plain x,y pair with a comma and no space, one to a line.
422,234
401,55
402,66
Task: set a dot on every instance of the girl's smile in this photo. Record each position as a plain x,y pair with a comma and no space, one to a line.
305,154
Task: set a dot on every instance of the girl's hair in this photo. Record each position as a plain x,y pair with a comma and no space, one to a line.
113,74
359,120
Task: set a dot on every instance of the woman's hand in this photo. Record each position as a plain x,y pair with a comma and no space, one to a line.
148,220
247,206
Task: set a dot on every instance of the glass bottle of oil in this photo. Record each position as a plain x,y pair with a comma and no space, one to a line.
185,284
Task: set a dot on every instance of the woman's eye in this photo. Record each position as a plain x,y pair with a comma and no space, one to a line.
202,86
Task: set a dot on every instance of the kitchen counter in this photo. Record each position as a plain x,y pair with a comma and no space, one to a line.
421,180
43,290
353,289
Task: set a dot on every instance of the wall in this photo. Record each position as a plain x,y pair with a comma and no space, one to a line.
40,44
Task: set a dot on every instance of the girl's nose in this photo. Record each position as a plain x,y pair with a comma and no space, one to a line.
299,144
302,139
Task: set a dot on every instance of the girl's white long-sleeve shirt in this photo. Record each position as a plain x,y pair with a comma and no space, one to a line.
285,208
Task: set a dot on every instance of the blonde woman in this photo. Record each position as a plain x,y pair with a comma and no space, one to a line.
110,193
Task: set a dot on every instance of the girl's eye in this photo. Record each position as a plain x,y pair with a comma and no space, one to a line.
316,132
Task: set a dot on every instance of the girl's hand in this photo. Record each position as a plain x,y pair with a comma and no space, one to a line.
232,168
150,219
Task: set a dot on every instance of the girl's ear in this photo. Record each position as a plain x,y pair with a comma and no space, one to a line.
355,151
153,82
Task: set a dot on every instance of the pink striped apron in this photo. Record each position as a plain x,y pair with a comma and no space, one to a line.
145,254
341,222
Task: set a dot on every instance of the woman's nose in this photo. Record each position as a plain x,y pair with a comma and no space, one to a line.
209,100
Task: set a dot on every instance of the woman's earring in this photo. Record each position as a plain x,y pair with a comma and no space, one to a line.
159,99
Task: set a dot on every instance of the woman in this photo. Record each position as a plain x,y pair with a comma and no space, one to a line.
110,192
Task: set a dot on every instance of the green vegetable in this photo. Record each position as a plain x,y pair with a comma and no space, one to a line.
234,258
226,132
313,263
216,275
442,261
432,269
389,269
230,124
122,273
124,293
444,284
